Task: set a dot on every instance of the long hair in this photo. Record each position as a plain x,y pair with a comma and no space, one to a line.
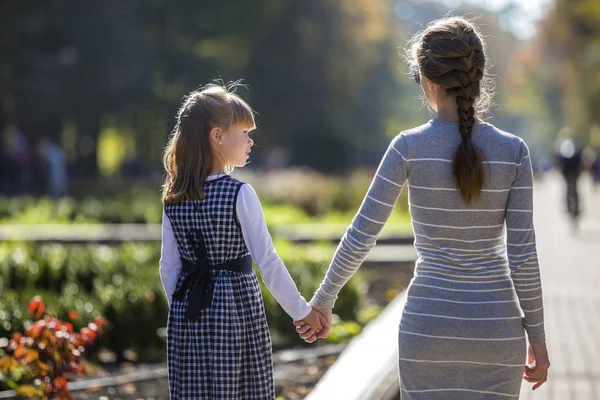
189,158
451,53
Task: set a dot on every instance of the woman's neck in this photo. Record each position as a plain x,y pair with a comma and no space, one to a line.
447,109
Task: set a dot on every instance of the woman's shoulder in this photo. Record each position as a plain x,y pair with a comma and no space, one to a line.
437,136
415,132
500,134
498,139
411,135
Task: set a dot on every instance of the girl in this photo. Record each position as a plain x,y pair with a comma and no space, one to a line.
476,291
218,342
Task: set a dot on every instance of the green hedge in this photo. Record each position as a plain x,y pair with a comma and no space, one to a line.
288,196
307,265
118,283
29,210
122,284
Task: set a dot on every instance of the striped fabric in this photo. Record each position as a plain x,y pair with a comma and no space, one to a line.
476,290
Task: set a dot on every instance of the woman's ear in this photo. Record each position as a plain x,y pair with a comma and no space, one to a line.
216,135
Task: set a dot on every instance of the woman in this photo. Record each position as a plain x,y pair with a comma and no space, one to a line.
474,294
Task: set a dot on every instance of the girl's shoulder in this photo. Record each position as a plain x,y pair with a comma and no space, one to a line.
224,187
224,181
224,178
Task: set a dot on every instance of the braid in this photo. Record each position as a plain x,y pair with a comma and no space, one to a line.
466,165
466,115
450,54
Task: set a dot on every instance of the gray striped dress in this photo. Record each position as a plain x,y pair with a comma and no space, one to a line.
476,289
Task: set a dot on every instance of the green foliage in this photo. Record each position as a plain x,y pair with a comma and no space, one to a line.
343,330
317,88
122,284
330,99
319,197
554,81
368,313
289,197
307,266
116,209
300,195
37,363
572,31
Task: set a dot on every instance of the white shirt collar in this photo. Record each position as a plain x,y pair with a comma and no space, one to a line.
215,176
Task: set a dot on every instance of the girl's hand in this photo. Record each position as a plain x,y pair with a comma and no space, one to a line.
310,335
536,370
315,321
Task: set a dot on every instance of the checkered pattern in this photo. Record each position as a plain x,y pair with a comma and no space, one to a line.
215,217
226,354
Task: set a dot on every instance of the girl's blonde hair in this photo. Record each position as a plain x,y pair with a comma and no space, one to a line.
189,157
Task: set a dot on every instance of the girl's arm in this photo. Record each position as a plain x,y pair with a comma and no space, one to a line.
366,225
170,263
259,243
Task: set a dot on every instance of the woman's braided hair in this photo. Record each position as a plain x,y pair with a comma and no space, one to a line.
451,53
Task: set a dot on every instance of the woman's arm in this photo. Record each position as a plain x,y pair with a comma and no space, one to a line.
521,248
361,235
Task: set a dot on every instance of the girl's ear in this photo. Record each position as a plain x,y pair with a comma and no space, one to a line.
216,135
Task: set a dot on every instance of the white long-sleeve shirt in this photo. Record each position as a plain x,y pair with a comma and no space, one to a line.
258,241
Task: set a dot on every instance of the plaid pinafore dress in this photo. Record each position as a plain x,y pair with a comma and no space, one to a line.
218,341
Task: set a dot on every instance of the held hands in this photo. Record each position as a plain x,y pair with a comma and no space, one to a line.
536,370
314,322
306,330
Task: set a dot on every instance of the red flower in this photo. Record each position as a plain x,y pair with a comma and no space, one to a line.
37,307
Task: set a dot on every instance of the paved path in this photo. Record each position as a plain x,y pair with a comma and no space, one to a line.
570,267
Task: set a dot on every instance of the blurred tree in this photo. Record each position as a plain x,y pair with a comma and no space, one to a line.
572,30
532,93
325,77
321,70
501,45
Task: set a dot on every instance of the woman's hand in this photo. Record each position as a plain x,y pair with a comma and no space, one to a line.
536,370
307,333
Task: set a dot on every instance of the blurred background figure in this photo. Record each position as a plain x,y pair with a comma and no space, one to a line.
54,166
8,170
595,170
592,155
22,157
570,164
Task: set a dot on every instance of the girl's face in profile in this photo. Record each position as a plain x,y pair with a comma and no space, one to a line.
236,146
